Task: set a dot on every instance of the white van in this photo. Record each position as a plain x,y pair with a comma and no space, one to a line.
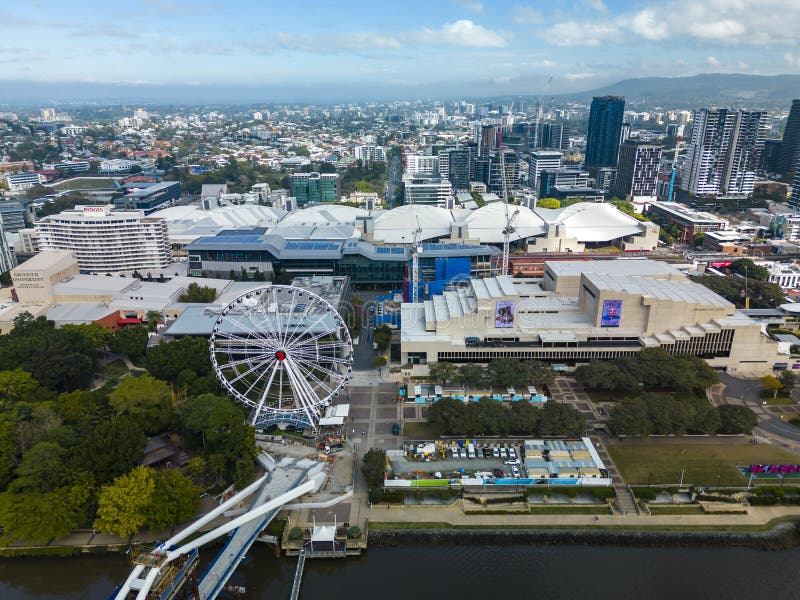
471,451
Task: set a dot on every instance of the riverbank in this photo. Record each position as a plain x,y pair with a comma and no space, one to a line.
782,535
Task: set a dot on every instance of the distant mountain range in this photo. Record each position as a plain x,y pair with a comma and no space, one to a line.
707,89
756,91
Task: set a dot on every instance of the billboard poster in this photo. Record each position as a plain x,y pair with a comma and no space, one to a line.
504,314
612,311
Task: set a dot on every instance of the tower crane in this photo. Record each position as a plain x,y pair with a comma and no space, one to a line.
674,174
416,250
508,229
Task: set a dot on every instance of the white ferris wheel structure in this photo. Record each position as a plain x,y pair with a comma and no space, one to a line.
282,352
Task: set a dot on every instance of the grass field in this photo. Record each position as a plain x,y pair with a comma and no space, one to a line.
420,430
779,401
675,510
702,463
85,183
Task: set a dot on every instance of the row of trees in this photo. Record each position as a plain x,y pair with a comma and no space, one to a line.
668,414
490,417
652,369
500,372
763,294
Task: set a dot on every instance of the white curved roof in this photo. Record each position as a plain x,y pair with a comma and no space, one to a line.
324,214
187,223
398,225
592,221
487,223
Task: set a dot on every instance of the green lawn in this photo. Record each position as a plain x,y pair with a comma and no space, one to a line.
701,462
420,430
85,183
692,509
779,401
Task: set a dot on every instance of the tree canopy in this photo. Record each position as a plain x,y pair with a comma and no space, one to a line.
198,294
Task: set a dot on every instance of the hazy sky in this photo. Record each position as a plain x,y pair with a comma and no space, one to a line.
519,45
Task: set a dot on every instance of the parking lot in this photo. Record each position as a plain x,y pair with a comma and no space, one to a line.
487,457
374,410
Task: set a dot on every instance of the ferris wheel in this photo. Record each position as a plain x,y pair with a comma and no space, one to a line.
283,352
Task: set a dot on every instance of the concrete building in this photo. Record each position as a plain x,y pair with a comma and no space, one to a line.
150,198
637,173
33,280
369,153
19,182
582,311
106,240
724,152
421,164
785,275
433,191
577,192
541,160
548,179
688,221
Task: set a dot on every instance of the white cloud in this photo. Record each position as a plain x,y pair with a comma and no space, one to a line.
792,60
526,15
578,76
713,61
470,5
725,29
460,33
730,21
582,33
598,5
648,25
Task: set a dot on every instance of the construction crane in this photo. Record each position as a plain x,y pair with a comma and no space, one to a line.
416,250
508,229
672,177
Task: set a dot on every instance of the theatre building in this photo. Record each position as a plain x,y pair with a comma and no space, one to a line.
580,311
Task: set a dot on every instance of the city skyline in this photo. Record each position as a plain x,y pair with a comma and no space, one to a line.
415,46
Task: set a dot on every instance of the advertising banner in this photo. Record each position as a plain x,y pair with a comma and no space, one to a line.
504,314
612,311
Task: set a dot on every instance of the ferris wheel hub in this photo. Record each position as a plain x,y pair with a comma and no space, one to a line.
280,355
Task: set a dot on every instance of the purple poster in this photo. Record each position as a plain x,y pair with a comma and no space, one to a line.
612,311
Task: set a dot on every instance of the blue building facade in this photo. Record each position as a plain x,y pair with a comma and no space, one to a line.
605,127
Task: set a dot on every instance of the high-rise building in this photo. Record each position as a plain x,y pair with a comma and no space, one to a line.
606,178
550,179
427,190
605,127
315,187
789,153
724,152
541,160
637,172
487,138
106,240
421,164
794,201
369,153
454,165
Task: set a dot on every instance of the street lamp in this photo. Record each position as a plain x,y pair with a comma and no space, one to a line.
719,477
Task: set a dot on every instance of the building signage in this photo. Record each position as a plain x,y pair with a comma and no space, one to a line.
504,314
773,471
95,210
612,311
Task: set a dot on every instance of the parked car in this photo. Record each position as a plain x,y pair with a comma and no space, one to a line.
503,453
455,453
512,453
515,470
511,461
496,452
487,452
396,429
463,453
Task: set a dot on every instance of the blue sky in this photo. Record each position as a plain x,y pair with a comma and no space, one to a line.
482,46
